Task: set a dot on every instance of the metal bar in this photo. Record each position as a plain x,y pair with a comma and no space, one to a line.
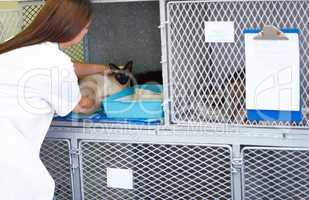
169,64
237,174
76,172
119,1
164,62
184,137
270,132
86,49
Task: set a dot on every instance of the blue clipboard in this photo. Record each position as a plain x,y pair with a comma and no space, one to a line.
275,115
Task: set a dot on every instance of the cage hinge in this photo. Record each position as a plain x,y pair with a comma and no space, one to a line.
75,153
163,24
237,164
163,61
166,103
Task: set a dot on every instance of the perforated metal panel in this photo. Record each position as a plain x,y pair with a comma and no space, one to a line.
55,154
160,171
10,23
76,52
275,173
207,80
30,11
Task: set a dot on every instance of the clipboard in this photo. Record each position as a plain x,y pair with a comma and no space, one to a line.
273,74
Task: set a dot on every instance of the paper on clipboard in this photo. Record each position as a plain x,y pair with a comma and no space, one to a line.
272,73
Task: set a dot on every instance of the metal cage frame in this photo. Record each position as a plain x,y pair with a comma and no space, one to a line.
49,161
133,193
181,30
237,136
29,9
280,174
236,142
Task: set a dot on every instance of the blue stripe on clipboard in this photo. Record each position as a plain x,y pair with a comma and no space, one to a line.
284,30
274,115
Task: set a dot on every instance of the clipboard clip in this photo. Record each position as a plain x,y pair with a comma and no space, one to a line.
270,32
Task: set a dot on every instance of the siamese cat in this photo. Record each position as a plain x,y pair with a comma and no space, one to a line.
98,86
224,103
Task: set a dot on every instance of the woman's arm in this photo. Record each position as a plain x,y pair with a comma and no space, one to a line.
82,69
87,105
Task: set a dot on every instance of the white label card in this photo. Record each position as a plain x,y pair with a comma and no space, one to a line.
119,178
219,31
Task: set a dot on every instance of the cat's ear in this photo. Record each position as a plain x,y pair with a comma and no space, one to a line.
113,66
129,66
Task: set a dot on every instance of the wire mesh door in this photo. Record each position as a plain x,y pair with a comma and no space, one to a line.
160,171
275,173
55,154
207,80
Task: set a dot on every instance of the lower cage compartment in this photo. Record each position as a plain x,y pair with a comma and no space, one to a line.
160,171
188,169
275,173
55,154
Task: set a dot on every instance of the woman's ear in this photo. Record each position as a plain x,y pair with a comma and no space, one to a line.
129,66
113,66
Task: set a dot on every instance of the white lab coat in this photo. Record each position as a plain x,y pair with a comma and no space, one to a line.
35,82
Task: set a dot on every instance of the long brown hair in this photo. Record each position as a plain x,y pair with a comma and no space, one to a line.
58,21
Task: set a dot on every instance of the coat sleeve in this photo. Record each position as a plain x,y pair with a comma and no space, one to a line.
62,91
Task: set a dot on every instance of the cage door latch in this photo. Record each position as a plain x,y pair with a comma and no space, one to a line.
163,24
75,153
237,164
166,104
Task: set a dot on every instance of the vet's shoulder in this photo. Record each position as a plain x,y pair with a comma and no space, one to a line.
53,53
46,54
41,55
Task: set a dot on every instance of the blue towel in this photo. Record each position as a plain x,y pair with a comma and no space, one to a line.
100,116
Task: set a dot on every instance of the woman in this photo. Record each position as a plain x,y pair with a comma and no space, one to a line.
37,80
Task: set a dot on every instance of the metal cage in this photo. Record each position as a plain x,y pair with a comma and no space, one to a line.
207,80
55,154
160,171
275,173
205,83
29,12
12,21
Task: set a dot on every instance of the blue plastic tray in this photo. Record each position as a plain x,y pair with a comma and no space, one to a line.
116,106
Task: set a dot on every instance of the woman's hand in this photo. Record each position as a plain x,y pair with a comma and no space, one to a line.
86,105
106,70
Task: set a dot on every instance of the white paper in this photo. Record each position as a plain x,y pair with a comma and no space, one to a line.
272,73
219,31
119,178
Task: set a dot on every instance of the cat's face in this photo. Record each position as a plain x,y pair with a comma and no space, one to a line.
122,74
